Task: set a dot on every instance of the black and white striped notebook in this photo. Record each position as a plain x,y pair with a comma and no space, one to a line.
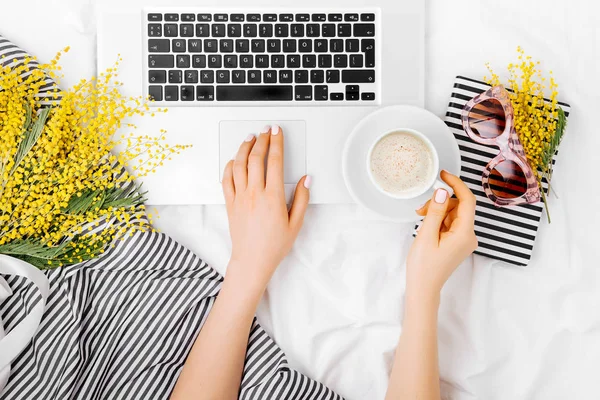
506,233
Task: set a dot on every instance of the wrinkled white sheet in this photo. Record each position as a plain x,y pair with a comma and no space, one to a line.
335,304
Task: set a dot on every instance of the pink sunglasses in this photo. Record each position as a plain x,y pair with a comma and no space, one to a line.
507,179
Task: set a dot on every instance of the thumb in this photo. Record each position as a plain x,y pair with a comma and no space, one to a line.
300,203
435,215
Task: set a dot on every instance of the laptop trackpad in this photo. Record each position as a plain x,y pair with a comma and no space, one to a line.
233,133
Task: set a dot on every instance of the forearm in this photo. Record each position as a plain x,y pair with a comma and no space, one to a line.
415,374
214,367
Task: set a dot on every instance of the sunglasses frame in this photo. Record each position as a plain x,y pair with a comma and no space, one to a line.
509,145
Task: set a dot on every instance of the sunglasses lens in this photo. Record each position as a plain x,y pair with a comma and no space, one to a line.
487,119
508,181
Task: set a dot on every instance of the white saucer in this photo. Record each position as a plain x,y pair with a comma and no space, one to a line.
357,146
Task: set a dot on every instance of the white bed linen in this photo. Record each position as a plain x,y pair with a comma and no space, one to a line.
335,304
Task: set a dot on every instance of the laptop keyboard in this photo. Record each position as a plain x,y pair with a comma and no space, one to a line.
210,58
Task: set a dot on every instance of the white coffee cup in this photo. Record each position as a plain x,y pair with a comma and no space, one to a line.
432,182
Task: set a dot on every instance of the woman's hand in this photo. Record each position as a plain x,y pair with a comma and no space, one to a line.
445,239
262,230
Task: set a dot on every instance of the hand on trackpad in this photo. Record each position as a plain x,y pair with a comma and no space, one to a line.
233,133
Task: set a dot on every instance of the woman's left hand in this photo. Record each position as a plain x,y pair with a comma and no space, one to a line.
262,230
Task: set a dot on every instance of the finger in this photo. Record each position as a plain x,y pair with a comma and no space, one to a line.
228,187
240,164
256,161
467,201
422,211
275,159
436,213
300,203
450,217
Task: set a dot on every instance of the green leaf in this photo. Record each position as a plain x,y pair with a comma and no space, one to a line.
31,134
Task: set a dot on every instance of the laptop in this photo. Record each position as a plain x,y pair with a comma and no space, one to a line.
228,68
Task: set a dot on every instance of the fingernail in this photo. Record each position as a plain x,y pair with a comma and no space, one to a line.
249,137
274,129
421,206
440,196
419,228
266,129
307,181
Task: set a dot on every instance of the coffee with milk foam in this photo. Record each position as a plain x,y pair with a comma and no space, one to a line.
402,163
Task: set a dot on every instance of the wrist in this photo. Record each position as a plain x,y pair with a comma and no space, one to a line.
243,278
422,301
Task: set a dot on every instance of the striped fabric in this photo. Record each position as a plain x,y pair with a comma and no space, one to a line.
121,326
506,233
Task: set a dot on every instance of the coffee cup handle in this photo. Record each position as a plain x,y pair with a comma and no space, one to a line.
438,184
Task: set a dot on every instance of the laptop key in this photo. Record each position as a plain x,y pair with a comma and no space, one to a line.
161,61
319,17
301,76
281,30
305,45
237,17
277,61
303,93
289,45
352,46
155,93
205,93
199,61
155,18
171,93
258,45
238,76
188,17
221,17
340,61
361,30
186,30
320,45
274,45
187,93
154,30
218,30
352,92
321,92
175,76
157,76
253,17
286,18
336,96
334,17
226,46
367,17
254,93
250,30
214,61
358,76
191,76
269,76
159,45
265,30
171,30
285,76
368,47
230,61
179,46
324,61
223,76
207,76
262,61
367,96
344,30
328,30
297,30
317,76
210,46
183,61
194,45
293,61
205,17
350,17
302,17
171,17
336,45
270,17
332,76
242,45
254,76
246,61
309,61
356,61
202,30
234,30
313,30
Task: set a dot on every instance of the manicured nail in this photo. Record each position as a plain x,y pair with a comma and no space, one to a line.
419,228
266,129
440,196
307,181
249,138
274,129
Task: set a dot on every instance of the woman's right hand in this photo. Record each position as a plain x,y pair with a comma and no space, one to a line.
445,239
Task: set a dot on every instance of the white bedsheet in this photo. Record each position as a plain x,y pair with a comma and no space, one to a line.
335,304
